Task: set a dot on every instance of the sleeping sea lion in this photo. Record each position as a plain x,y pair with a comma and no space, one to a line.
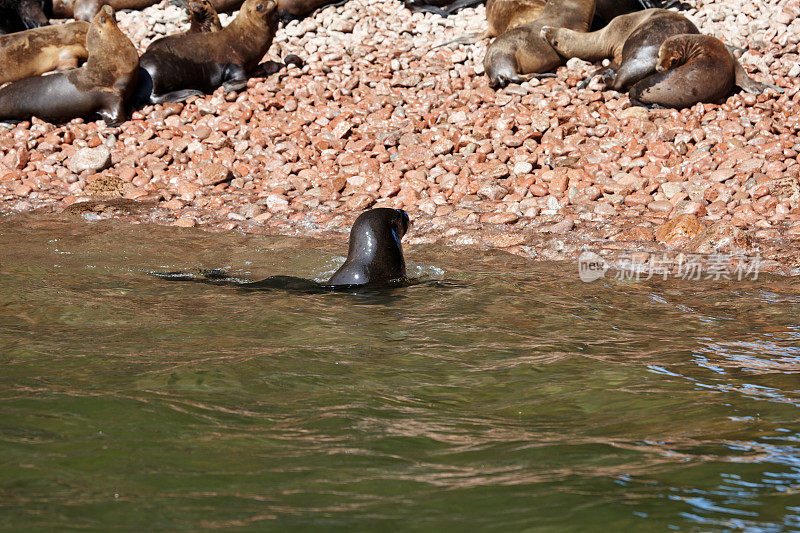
100,87
179,66
33,52
87,9
632,42
300,9
522,50
374,258
691,68
504,15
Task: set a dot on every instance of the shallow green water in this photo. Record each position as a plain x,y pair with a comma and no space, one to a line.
522,399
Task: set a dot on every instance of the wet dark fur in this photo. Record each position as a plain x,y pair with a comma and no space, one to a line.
374,259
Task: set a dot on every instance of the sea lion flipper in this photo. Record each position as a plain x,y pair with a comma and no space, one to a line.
113,113
748,84
267,69
235,85
175,96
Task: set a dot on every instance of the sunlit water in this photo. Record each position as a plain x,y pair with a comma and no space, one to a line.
516,398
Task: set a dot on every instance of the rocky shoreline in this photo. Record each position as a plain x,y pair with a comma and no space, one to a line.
377,118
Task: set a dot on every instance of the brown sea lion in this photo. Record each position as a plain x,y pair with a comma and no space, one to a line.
227,6
100,87
87,9
522,50
28,12
300,9
503,15
691,68
203,18
179,66
632,42
33,52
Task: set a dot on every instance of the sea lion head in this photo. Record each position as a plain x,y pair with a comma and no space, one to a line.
202,16
113,60
104,24
670,56
263,11
375,254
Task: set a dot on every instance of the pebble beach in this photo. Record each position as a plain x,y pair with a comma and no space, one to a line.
378,117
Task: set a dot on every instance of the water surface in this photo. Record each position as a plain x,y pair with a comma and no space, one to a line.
519,398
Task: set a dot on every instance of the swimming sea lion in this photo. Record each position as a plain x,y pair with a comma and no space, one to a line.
632,42
33,52
179,66
374,257
203,18
374,253
99,87
522,50
691,68
29,12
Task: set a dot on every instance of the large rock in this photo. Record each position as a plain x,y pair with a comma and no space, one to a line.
94,159
679,231
214,174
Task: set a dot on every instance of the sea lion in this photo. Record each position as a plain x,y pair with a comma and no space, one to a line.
33,52
632,42
179,66
29,12
203,18
300,9
691,68
87,9
503,15
374,257
522,50
375,253
100,87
